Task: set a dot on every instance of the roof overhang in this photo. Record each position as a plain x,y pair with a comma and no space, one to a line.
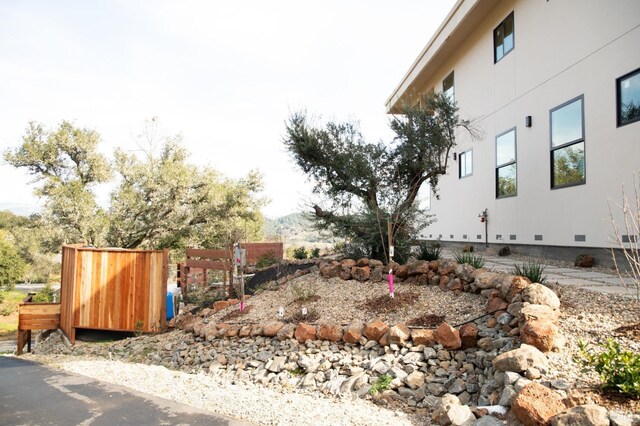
461,21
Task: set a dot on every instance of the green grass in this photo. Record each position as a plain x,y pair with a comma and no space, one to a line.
9,305
477,261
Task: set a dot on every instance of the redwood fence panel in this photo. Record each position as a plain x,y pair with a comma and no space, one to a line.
113,289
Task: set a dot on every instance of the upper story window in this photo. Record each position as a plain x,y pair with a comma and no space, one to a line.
506,167
503,38
628,98
448,88
567,144
465,164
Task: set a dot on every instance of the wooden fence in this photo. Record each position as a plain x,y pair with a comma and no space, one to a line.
113,289
200,261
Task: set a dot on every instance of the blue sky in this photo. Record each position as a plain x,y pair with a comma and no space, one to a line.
225,75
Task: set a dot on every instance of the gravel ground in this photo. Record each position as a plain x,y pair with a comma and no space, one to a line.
341,301
224,395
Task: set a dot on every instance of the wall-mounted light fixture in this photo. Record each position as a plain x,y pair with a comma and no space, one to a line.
527,121
455,156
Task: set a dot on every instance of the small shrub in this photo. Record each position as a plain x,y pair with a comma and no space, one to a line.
8,308
266,260
477,261
45,295
300,253
311,316
531,270
429,251
619,370
468,248
1,296
315,253
203,297
381,384
302,294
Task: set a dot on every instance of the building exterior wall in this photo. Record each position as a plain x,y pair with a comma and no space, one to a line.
562,50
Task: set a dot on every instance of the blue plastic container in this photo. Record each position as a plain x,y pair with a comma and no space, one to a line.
172,304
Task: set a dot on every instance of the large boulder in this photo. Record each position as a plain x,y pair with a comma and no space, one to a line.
469,335
374,330
271,328
352,333
536,405
401,271
537,312
305,332
448,337
538,294
399,334
517,285
539,333
521,359
484,279
446,267
450,411
584,415
419,267
422,336
361,273
287,332
348,263
362,262
465,272
329,331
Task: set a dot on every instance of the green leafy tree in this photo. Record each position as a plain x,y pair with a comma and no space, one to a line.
67,165
12,267
164,201
365,184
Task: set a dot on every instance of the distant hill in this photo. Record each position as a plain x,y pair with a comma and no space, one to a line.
294,229
20,209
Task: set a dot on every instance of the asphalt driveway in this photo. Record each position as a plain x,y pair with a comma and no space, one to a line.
32,394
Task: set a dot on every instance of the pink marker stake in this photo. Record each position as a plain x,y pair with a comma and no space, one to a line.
391,287
241,306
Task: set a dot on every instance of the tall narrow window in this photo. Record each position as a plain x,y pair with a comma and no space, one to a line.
506,167
503,38
465,164
628,98
567,144
448,87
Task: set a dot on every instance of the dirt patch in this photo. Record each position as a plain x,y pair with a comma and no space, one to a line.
427,321
236,313
631,331
306,300
385,304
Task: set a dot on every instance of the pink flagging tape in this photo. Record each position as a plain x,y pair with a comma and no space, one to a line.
391,286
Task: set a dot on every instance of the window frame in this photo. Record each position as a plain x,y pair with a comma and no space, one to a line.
503,25
619,80
462,156
453,85
503,165
553,148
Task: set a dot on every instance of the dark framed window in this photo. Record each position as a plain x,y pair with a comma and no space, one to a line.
465,164
506,167
567,144
628,98
503,38
448,87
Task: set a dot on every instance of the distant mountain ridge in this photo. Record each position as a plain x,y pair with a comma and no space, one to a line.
294,228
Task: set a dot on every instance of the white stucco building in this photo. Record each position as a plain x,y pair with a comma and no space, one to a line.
554,86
